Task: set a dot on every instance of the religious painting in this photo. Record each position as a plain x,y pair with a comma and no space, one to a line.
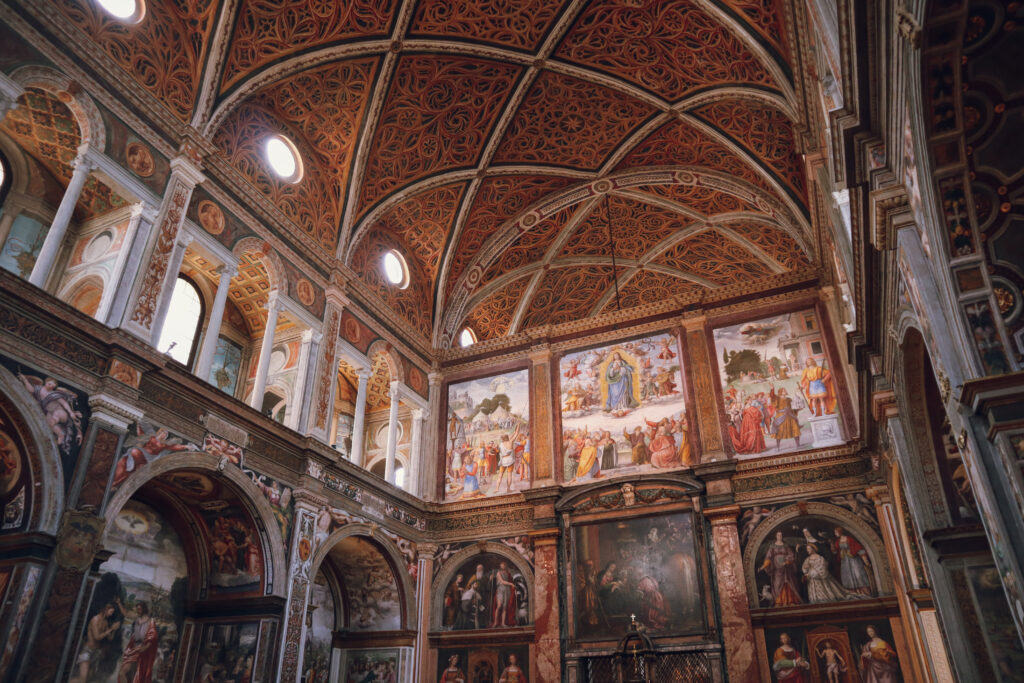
503,664
236,556
1001,640
137,605
372,666
320,634
854,652
226,365
373,601
280,498
21,249
65,410
776,381
809,560
623,410
146,443
487,443
831,657
487,591
15,478
228,652
644,566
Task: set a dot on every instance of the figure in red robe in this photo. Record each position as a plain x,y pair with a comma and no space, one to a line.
140,652
750,436
140,454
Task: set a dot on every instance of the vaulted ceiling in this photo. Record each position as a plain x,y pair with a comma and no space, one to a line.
496,143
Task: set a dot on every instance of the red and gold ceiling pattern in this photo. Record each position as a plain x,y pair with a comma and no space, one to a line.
378,387
413,304
765,16
266,31
437,116
165,52
715,258
648,287
531,246
518,25
565,121
670,48
498,199
566,294
700,199
635,228
321,111
773,241
45,128
492,317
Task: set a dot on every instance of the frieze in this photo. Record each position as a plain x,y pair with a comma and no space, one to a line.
629,496
801,477
171,400
481,520
52,341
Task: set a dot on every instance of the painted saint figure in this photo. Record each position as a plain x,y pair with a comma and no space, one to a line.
834,664
785,424
59,406
503,610
512,672
853,563
453,674
619,378
817,384
788,664
878,662
140,652
780,564
101,629
821,585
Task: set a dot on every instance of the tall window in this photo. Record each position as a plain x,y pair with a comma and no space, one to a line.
5,178
181,329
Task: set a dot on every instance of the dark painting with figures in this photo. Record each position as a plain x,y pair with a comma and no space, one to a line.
483,665
645,567
852,652
810,560
487,591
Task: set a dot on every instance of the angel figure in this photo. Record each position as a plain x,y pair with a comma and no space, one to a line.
858,504
59,406
147,446
750,519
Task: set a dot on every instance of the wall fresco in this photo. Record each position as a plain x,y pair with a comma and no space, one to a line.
319,636
371,666
623,409
487,442
483,665
146,443
228,652
487,591
776,377
855,652
15,479
373,600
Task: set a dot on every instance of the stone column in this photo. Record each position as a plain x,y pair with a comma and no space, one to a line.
82,166
154,287
300,561
343,431
424,574
416,452
209,347
326,374
432,436
359,422
266,346
547,464
546,622
302,379
173,266
10,90
737,630
140,229
392,447
703,382
113,289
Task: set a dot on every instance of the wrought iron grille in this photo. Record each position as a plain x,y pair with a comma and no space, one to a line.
666,667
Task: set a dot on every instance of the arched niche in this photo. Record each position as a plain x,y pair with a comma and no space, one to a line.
41,455
248,494
87,114
394,363
467,555
396,562
835,517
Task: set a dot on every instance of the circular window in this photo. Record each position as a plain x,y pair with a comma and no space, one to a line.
284,159
395,269
466,337
128,11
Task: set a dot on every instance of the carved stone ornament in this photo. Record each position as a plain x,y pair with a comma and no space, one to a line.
908,28
78,539
944,387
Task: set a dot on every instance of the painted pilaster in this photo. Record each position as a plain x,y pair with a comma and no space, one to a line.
209,347
542,425
326,375
140,230
546,621
429,459
266,346
392,446
300,565
154,286
173,266
359,423
302,378
42,270
413,485
111,292
703,382
424,573
10,90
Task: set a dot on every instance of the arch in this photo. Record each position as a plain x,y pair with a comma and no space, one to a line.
90,122
452,564
392,555
394,361
42,452
842,517
252,497
77,291
270,260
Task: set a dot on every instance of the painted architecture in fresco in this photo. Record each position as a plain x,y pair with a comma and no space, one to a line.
487,439
776,381
623,410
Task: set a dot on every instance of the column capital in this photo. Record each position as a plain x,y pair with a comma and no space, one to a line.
185,238
311,335
879,495
722,515
693,320
420,414
337,296
364,374
143,210
188,169
230,269
540,353
308,500
113,413
435,377
395,391
274,300
426,551
84,161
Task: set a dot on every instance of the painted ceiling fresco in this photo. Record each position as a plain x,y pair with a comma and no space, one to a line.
479,139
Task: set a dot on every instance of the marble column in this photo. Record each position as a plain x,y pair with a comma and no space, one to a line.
424,573
342,432
173,266
41,271
302,379
701,378
432,463
140,229
413,485
546,622
392,447
10,90
152,289
260,384
359,422
737,630
209,347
